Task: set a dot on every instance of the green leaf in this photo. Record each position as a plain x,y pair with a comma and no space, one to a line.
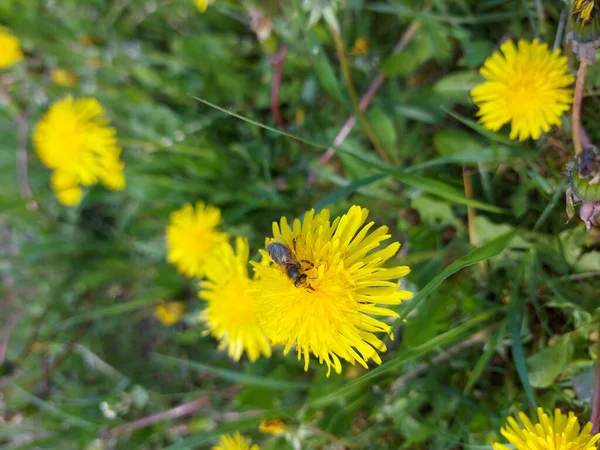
323,67
450,141
547,364
236,377
383,127
456,86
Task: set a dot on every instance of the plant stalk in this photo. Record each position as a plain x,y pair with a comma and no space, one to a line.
362,118
596,397
576,111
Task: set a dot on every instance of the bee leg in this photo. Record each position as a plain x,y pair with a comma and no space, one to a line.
307,262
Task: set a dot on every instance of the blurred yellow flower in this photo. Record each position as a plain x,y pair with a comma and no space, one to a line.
272,426
231,310
323,296
526,86
235,441
560,432
361,46
75,140
169,313
202,5
192,235
63,77
10,49
583,9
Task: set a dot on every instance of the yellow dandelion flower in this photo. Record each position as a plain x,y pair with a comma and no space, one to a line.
272,426
75,140
526,86
10,49
63,77
582,9
169,313
361,46
231,310
323,294
560,432
202,5
192,235
235,441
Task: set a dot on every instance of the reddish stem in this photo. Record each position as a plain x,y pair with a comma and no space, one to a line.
178,411
596,397
366,99
277,62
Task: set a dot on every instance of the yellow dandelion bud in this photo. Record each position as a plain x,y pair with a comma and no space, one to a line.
361,46
75,140
231,310
527,86
235,441
63,77
323,291
272,426
192,235
560,432
202,5
169,313
10,49
582,10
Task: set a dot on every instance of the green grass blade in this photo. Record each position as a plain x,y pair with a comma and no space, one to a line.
483,360
482,130
489,250
408,355
347,190
53,410
517,349
192,442
261,125
558,193
112,310
236,377
429,185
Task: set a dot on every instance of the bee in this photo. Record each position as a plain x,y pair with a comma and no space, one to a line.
283,256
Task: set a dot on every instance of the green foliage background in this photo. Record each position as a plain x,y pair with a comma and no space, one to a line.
510,325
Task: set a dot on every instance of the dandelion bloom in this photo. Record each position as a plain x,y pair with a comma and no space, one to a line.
10,49
231,310
526,86
560,432
63,77
192,235
202,5
327,308
272,426
74,139
169,313
235,441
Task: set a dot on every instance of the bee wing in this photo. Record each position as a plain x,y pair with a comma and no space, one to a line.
281,254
